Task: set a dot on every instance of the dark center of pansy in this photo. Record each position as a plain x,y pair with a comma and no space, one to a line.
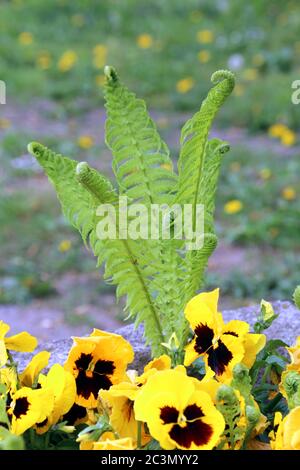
21,407
91,381
191,430
83,361
75,413
204,336
219,358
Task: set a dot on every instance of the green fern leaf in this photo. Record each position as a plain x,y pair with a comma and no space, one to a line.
141,163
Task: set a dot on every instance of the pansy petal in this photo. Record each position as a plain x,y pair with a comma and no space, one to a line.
236,328
35,366
22,342
3,354
190,353
198,312
253,344
4,329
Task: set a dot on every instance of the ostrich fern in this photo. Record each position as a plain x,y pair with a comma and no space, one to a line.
157,277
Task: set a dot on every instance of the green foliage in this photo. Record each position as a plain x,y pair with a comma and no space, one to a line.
159,276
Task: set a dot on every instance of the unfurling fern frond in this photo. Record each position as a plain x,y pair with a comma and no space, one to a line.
141,163
194,138
158,276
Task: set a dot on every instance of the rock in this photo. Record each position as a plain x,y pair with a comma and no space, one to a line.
286,327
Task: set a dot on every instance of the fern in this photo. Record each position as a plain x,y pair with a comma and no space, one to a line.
157,276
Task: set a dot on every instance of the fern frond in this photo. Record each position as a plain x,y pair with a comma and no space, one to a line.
129,265
142,164
78,205
194,138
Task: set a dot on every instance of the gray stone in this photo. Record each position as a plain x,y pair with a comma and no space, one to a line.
286,327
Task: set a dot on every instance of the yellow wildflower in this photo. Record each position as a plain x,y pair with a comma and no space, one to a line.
288,193
204,56
239,90
100,56
67,61
250,74
185,85
85,142
265,173
205,36
288,138
144,41
233,207
25,38
277,130
44,60
65,245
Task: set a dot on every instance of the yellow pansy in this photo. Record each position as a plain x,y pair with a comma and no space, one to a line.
97,362
85,142
29,407
25,38
220,345
205,36
34,367
287,434
61,384
288,193
177,414
22,342
294,352
185,85
8,377
120,400
144,41
233,207
67,61
253,344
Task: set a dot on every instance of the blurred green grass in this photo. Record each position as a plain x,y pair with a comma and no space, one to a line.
155,45
165,51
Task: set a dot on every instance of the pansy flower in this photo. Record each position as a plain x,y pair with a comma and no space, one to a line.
22,342
177,414
97,362
29,407
61,384
221,345
120,400
286,433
